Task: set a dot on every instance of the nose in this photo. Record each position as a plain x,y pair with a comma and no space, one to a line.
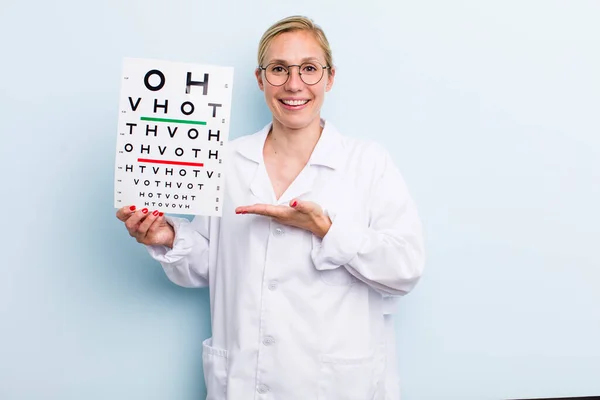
294,82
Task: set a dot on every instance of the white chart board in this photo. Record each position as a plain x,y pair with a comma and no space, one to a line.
172,134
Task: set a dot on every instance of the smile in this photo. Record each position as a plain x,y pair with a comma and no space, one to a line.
294,103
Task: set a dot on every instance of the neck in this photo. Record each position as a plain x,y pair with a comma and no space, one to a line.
294,143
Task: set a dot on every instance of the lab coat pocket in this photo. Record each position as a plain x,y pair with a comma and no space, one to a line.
215,363
347,378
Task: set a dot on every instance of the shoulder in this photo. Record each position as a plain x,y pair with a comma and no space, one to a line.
250,145
366,153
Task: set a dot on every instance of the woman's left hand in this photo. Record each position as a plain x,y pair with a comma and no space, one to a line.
301,214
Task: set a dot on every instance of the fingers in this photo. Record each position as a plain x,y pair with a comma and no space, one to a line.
124,213
267,210
146,225
305,207
133,222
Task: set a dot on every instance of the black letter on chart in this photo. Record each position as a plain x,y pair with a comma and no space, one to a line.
147,80
163,106
212,135
214,106
212,154
187,103
137,103
190,82
130,125
148,130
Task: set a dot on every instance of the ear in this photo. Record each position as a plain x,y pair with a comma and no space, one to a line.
259,79
330,79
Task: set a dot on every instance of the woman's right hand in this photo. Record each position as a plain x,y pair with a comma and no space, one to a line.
149,228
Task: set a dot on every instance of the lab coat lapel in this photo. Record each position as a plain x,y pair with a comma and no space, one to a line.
302,185
261,186
258,179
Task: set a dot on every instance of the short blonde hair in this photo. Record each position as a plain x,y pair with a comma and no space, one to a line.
292,24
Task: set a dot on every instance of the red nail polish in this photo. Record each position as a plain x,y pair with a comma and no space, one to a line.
244,212
155,213
294,204
132,208
145,210
161,214
238,212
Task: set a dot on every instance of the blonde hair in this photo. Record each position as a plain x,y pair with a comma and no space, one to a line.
292,24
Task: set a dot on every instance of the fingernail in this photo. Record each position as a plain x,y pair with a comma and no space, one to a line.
294,204
132,208
145,210
244,212
155,213
238,212
161,214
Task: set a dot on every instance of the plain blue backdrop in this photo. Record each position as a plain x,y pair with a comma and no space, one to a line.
489,108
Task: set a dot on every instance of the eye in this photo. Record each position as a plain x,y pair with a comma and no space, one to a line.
277,69
309,68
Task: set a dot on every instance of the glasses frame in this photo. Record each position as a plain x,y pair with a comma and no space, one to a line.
288,67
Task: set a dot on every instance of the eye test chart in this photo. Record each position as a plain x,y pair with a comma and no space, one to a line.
172,133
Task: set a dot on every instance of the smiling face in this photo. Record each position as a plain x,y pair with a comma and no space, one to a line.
295,105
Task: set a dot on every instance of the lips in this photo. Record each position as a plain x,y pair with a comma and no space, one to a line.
293,103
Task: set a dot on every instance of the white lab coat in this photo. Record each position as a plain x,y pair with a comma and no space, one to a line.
295,317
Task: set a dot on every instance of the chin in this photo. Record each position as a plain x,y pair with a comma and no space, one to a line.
296,122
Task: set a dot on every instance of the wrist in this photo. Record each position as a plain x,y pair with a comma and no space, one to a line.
323,223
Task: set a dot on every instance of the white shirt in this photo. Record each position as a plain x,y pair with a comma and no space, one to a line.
295,317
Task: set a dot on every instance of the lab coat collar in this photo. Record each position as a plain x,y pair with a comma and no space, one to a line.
327,152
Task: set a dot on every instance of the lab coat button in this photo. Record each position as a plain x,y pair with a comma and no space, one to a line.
269,340
272,285
262,389
278,232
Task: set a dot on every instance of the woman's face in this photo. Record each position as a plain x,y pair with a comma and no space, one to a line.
295,105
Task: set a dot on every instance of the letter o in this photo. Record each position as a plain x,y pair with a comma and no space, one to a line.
187,103
147,80
190,133
182,172
179,151
129,147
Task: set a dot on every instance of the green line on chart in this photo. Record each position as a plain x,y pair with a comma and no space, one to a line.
177,121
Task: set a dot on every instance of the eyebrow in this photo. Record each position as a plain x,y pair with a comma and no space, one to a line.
280,61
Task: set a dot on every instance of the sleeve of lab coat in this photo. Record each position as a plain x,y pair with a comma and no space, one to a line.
186,264
387,254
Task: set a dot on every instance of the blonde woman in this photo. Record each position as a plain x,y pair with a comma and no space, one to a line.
318,236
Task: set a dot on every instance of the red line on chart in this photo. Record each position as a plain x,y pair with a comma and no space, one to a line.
189,164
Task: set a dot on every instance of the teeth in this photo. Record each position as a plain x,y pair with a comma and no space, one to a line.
295,102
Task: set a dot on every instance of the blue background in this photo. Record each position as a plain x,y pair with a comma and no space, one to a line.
490,110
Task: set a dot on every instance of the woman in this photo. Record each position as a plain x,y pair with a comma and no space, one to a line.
317,237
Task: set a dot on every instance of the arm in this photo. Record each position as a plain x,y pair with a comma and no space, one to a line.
186,264
387,254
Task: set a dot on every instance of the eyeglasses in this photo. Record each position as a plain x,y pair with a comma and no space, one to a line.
311,72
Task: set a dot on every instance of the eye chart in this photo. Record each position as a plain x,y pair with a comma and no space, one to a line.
172,133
